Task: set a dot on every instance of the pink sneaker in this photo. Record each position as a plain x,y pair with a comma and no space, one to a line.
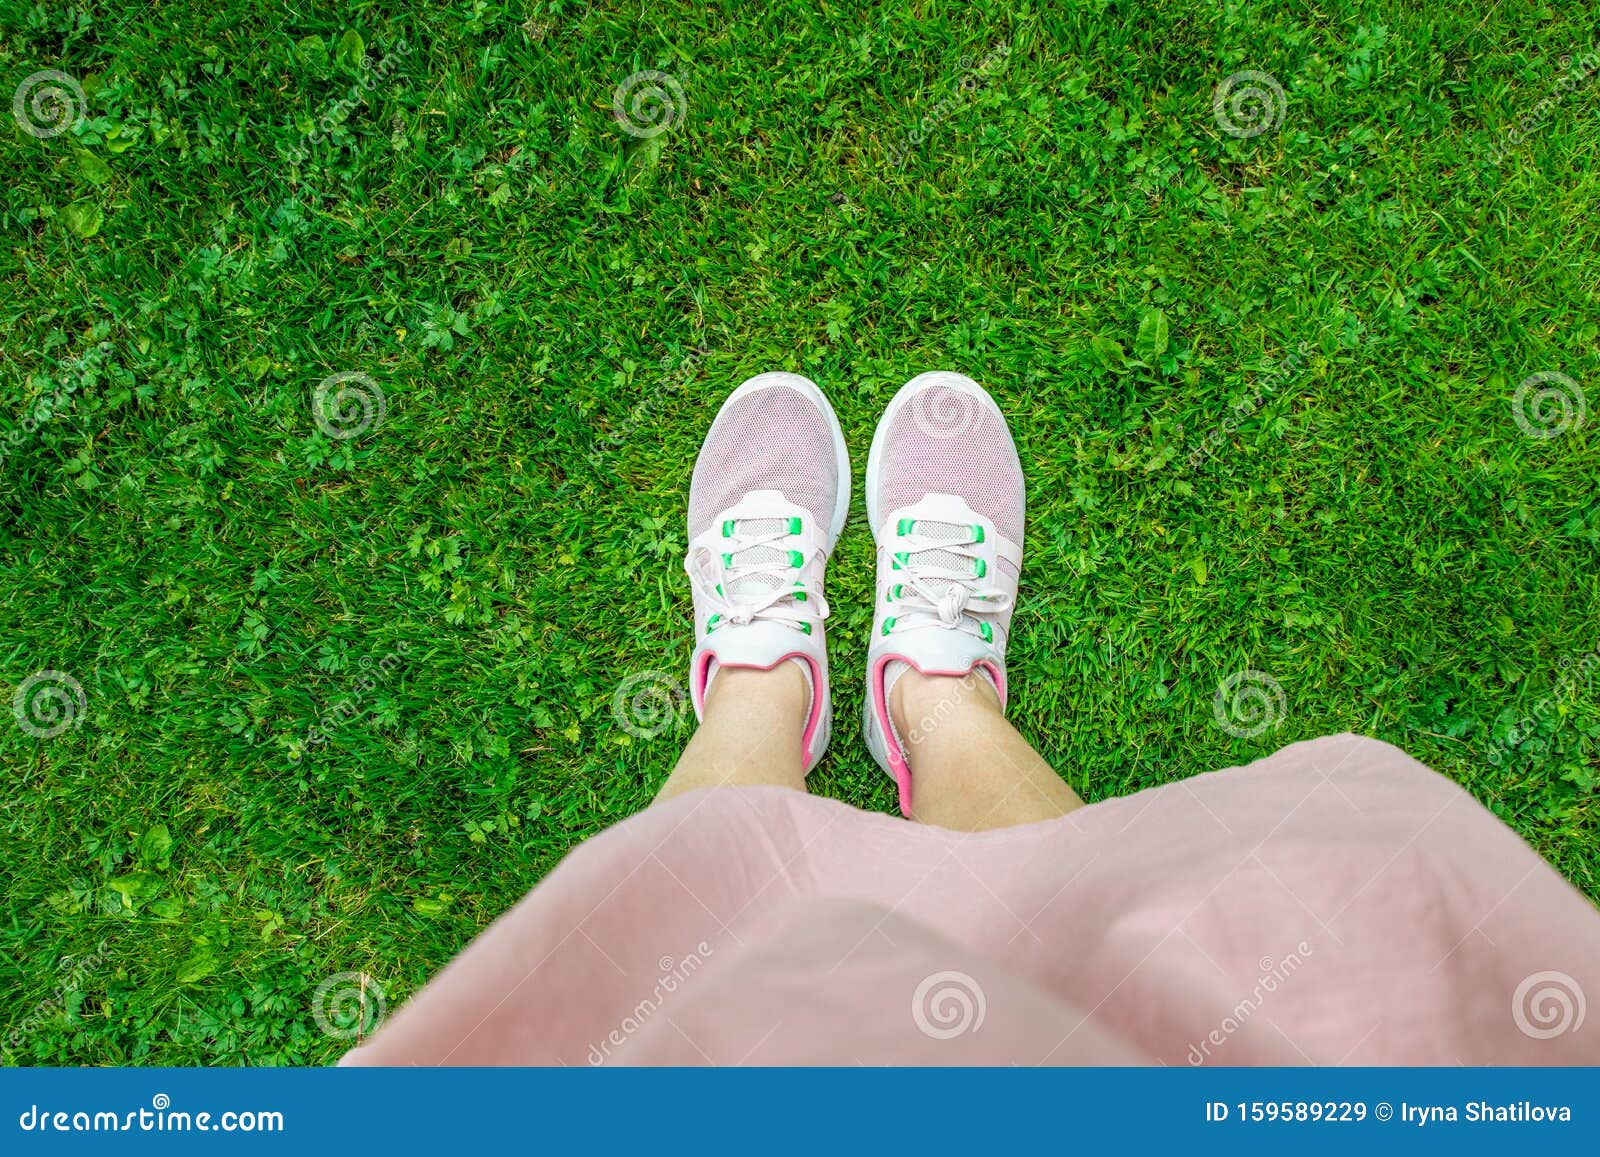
770,492
945,500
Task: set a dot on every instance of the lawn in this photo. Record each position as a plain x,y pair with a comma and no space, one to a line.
312,679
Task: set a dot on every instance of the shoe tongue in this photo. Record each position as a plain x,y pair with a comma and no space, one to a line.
935,532
757,585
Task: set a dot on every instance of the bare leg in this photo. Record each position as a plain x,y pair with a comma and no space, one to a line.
750,734
971,770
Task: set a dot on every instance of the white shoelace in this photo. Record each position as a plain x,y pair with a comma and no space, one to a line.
755,579
939,581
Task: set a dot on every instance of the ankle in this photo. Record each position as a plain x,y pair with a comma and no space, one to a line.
920,705
782,692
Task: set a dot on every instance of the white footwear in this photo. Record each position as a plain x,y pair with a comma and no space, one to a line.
769,496
945,500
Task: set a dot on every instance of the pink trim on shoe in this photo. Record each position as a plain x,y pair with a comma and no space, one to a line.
819,694
880,708
997,673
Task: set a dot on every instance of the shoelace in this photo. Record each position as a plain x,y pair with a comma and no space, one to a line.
756,578
938,580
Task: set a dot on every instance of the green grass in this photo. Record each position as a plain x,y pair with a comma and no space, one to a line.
553,308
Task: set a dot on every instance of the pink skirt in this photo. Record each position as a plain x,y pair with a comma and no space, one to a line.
1336,903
